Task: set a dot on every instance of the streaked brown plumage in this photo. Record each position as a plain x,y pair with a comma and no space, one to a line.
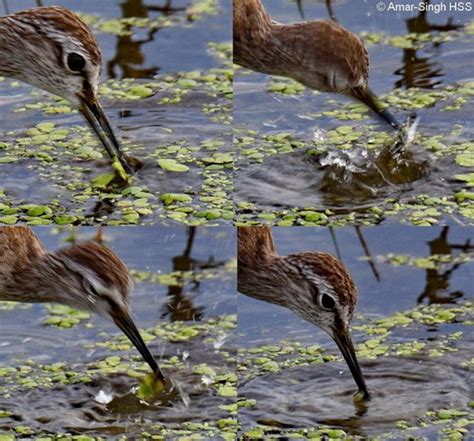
86,276
53,49
314,285
320,54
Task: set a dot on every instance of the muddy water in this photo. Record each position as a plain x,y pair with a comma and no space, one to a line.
308,169
407,382
100,401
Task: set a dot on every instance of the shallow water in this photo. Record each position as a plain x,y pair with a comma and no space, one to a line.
339,181
302,392
175,61
313,395
35,393
277,133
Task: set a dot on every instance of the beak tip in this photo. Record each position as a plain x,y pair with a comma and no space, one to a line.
362,395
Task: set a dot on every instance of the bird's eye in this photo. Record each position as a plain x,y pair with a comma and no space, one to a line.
75,62
327,302
90,288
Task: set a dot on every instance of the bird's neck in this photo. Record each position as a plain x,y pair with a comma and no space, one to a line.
255,245
268,280
254,45
44,279
9,45
250,15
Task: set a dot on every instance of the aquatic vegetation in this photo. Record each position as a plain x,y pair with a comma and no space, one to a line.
197,10
182,278
66,153
434,261
64,316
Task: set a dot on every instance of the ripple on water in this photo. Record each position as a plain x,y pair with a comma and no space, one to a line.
42,345
77,408
402,389
124,413
340,180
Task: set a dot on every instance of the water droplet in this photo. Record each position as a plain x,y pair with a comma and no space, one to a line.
103,397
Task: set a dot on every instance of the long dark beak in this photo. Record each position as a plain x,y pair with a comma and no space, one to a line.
365,95
126,325
344,342
99,122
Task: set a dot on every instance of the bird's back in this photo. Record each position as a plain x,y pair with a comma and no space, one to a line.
255,244
19,247
322,55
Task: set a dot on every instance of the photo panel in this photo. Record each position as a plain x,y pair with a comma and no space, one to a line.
410,327
353,112
119,113
66,370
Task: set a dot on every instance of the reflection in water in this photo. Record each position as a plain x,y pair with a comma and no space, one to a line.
75,238
39,3
360,236
129,52
180,305
368,254
418,71
299,5
437,281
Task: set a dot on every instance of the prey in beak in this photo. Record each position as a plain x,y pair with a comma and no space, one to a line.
343,340
95,115
366,96
123,320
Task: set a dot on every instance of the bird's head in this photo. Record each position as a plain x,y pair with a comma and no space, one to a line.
61,55
320,290
96,279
